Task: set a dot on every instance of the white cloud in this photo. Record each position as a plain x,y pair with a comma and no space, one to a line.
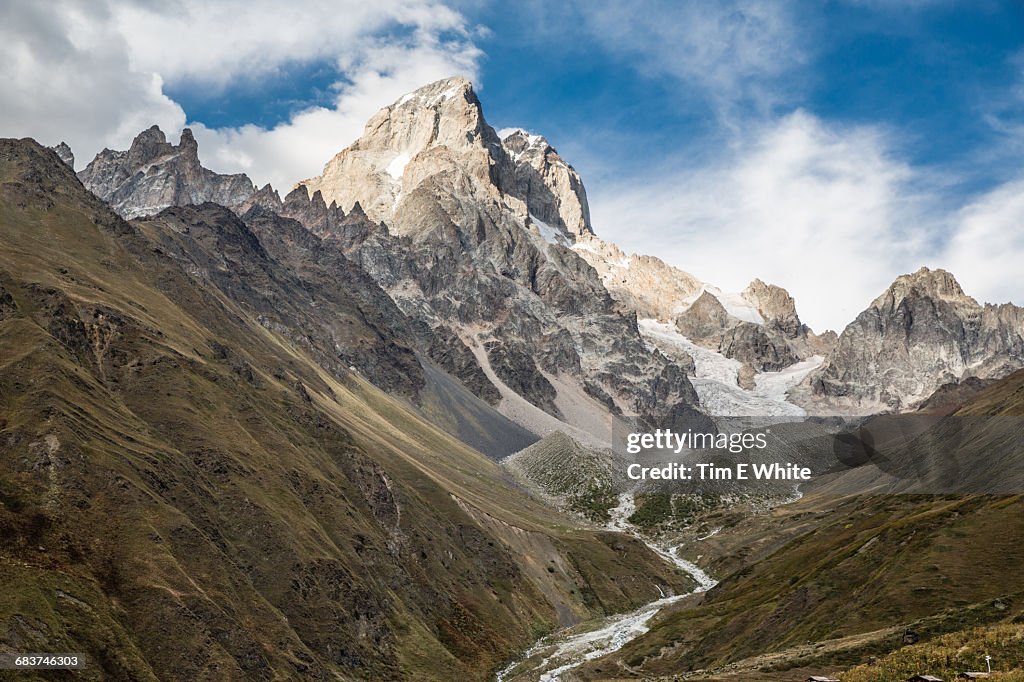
734,51
93,73
829,214
64,75
213,43
986,252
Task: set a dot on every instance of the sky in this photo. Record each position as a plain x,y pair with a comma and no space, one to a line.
826,146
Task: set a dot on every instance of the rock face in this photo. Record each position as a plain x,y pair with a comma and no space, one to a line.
438,135
776,306
704,321
297,286
154,174
474,241
762,330
921,333
64,152
552,189
654,289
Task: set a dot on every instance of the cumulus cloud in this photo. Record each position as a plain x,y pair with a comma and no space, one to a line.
65,75
214,43
93,74
987,247
828,213
831,213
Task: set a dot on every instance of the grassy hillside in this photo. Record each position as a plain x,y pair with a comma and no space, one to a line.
187,494
576,478
829,582
1003,398
950,655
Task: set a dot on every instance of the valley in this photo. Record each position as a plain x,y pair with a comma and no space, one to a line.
369,431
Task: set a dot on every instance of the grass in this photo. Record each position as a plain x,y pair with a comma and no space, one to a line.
949,655
188,495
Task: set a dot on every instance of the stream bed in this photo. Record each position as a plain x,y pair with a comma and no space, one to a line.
554,655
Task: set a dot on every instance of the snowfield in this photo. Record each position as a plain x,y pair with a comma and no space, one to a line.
716,379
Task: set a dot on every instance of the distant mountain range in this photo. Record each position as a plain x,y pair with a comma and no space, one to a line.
486,243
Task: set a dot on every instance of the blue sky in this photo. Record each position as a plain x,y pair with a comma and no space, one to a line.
825,146
936,72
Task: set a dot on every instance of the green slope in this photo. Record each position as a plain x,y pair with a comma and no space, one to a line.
826,583
186,494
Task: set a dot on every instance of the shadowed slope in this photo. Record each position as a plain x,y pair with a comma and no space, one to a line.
186,494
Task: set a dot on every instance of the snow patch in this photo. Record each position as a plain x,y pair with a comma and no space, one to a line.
716,377
532,139
736,305
585,246
397,166
550,234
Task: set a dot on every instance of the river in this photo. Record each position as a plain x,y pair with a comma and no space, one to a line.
564,650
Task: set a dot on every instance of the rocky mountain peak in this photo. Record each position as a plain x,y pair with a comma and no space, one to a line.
64,152
519,142
439,128
437,135
187,143
937,284
148,146
921,333
551,187
705,319
775,305
445,112
154,174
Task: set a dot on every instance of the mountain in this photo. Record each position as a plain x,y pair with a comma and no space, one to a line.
468,237
486,245
920,333
154,174
435,140
193,487
481,231
334,435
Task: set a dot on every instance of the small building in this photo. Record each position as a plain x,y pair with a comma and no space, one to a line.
973,675
924,678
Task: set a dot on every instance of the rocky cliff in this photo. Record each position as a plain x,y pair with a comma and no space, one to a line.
439,131
920,333
475,239
154,174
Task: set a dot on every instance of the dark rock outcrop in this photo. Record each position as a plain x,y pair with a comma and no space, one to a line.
154,174
921,333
